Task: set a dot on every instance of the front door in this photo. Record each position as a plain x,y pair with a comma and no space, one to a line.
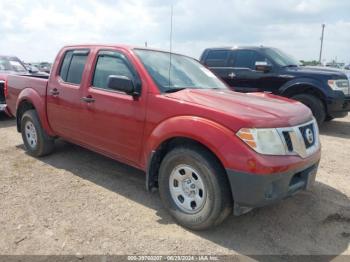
113,120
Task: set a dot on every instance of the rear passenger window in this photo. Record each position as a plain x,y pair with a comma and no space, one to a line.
73,66
65,65
244,59
217,58
111,63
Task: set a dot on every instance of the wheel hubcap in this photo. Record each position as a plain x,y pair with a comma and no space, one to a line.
31,134
187,189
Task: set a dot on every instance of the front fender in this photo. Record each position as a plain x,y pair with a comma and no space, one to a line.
217,138
39,102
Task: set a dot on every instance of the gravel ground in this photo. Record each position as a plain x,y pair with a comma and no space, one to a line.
76,201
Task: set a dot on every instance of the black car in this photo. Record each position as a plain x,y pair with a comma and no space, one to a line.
255,69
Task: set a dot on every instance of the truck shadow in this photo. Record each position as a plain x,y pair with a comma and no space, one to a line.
315,222
336,128
6,121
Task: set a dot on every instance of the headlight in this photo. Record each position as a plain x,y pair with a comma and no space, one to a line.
340,85
265,141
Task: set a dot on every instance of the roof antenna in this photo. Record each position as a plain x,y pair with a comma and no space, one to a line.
171,41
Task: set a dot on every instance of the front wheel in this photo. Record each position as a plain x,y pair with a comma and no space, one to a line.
194,188
315,105
36,141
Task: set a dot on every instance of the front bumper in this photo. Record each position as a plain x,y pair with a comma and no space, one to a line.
338,106
250,190
3,108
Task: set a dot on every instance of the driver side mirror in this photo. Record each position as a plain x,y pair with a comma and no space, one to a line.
121,83
262,66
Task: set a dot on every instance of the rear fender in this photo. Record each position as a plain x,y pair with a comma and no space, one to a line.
39,103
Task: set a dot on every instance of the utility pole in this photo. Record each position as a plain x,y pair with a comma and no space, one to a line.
320,59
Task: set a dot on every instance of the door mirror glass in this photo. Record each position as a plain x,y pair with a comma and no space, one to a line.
121,83
262,66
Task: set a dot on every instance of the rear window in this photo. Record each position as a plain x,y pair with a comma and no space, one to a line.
216,58
73,66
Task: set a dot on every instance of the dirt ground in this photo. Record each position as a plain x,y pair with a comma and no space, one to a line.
76,201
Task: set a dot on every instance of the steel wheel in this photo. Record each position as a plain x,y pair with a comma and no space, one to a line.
31,134
187,189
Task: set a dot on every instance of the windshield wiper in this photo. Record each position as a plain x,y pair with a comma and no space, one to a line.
175,89
291,66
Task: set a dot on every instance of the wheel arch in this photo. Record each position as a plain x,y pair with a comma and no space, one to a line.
310,87
157,155
29,99
23,106
183,130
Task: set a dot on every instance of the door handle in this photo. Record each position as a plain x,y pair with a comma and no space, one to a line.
231,75
88,99
54,92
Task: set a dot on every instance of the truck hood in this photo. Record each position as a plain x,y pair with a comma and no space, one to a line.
253,109
325,72
331,69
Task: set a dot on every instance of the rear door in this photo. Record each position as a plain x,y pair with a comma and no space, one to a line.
64,93
113,121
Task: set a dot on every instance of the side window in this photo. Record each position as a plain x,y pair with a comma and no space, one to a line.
260,58
76,69
108,64
65,65
217,58
244,59
72,67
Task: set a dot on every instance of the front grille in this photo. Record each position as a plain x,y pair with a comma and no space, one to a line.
300,140
2,94
288,141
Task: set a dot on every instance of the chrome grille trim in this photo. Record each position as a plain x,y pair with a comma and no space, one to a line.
296,137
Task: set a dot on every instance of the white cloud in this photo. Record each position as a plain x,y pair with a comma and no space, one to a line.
36,30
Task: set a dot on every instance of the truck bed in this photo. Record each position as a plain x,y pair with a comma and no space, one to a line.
17,83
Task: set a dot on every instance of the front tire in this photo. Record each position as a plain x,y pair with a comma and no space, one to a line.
194,188
315,105
36,141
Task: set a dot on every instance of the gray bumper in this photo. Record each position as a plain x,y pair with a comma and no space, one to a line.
250,190
3,107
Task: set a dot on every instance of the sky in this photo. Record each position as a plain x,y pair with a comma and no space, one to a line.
36,30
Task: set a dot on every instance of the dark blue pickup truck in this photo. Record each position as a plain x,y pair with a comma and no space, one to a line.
253,69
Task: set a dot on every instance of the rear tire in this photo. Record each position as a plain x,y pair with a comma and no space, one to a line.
36,141
315,105
194,188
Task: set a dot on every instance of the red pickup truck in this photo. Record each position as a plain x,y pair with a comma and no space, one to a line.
208,149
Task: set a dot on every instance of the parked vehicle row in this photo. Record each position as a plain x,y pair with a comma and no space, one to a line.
209,150
253,69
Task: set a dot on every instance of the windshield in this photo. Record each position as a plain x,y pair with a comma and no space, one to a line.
280,57
184,72
11,64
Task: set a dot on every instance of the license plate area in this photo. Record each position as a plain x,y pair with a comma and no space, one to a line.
303,180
